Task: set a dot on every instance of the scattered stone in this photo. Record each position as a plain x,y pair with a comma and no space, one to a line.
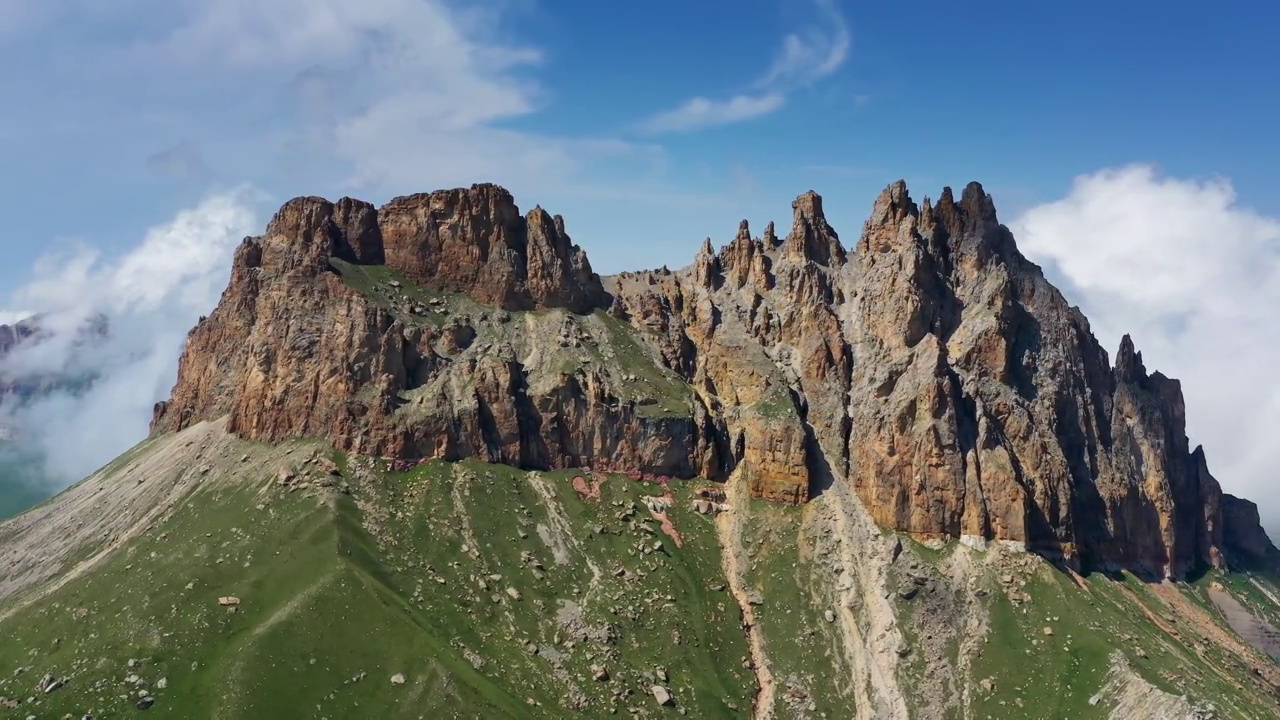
662,695
229,601
146,703
829,616
1047,630
514,593
600,673
49,683
398,679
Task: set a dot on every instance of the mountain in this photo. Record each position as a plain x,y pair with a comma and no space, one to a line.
421,460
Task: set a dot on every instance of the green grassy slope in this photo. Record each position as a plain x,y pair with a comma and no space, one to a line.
493,592
339,594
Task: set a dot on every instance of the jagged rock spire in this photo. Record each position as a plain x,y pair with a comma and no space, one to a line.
811,238
770,236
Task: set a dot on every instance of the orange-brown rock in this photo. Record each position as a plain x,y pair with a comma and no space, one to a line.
474,241
935,370
293,350
930,367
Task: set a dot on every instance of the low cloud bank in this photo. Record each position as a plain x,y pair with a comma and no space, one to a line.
1194,277
94,393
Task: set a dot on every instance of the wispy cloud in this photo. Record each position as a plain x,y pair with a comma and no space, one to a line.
812,54
804,58
700,112
1195,278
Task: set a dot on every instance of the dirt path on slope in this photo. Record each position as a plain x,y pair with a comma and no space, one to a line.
729,530
872,653
559,536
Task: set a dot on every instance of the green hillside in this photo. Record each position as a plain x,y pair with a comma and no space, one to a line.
490,592
235,580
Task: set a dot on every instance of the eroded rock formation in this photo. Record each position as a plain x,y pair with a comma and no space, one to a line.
297,348
930,366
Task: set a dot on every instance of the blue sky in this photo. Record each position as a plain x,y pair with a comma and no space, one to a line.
1131,146
122,116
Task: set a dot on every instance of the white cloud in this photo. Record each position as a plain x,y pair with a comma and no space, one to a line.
9,317
151,296
697,113
1195,278
368,97
811,55
803,58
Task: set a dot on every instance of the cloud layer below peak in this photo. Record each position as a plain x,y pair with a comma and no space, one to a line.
150,297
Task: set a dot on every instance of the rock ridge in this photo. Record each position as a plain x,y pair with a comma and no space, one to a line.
930,367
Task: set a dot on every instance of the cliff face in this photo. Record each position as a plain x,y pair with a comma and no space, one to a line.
316,337
931,367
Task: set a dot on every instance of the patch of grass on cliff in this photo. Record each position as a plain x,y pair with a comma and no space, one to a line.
313,616
778,405
1037,675
1256,591
657,390
375,283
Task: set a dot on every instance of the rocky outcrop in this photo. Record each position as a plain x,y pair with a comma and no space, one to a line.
11,335
1244,541
474,241
935,370
930,367
297,348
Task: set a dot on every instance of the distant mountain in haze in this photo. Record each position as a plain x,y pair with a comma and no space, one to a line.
24,481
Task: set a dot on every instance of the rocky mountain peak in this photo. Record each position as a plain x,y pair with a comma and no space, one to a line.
770,237
811,238
893,205
974,215
938,375
472,241
1129,367
12,335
